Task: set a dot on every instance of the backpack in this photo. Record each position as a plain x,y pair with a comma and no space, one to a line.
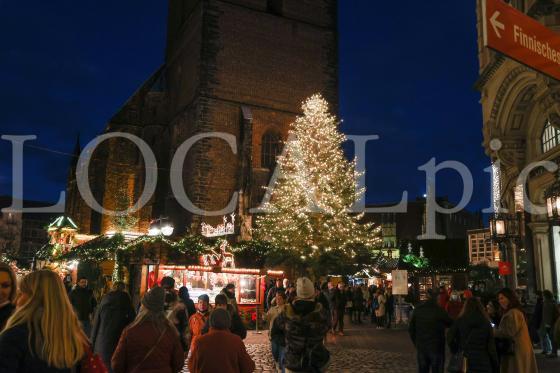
314,356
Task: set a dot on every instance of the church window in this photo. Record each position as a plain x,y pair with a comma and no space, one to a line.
271,147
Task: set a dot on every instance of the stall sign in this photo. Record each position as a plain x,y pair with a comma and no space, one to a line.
400,282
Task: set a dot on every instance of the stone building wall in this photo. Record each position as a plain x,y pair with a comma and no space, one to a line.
516,103
221,57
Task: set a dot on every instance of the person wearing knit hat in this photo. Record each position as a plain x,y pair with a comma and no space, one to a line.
150,342
304,324
154,299
229,292
305,289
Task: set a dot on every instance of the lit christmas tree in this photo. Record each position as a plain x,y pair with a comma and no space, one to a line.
309,204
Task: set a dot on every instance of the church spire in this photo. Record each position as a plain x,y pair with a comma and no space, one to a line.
76,153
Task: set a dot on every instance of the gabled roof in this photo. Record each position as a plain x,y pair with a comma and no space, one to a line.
62,222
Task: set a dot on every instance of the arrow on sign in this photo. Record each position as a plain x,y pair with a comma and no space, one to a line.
497,24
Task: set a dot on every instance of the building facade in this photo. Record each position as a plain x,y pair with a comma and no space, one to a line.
520,110
482,250
23,234
407,226
237,67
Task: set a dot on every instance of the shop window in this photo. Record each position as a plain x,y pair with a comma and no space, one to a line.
550,137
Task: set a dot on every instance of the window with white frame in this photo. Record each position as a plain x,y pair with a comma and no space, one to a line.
550,137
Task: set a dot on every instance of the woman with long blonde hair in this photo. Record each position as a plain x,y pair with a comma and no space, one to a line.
43,334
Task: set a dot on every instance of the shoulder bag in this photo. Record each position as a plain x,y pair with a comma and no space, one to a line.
149,352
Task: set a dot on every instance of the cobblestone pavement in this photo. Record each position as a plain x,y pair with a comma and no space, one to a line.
363,349
342,360
344,357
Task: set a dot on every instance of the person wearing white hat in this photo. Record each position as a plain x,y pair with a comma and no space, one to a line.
304,323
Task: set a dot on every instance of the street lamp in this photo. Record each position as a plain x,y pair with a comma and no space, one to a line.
503,228
160,226
552,197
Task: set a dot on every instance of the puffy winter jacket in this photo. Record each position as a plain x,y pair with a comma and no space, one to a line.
305,326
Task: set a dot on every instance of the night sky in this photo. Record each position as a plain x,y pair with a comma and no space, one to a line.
406,74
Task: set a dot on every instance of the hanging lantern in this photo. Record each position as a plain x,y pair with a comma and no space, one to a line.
504,226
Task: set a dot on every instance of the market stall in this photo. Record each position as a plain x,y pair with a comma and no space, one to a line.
199,279
215,270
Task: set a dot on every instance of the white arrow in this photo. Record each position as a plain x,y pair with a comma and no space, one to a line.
497,24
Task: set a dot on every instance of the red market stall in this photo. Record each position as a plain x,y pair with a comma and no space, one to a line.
199,279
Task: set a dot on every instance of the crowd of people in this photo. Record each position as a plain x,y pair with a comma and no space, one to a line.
338,300
482,338
46,326
322,309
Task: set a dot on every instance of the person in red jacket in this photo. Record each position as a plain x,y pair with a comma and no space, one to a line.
443,297
151,343
198,320
220,350
454,306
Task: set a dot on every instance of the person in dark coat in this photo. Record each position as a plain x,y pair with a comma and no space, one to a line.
8,291
340,306
322,298
357,305
472,333
332,296
271,295
114,313
304,323
349,307
389,307
229,292
535,330
427,331
236,327
185,298
84,303
549,317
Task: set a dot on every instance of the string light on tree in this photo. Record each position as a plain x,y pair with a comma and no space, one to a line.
308,211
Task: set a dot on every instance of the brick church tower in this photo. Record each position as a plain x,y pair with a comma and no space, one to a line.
241,67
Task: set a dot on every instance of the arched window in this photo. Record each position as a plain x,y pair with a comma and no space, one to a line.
270,149
550,137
